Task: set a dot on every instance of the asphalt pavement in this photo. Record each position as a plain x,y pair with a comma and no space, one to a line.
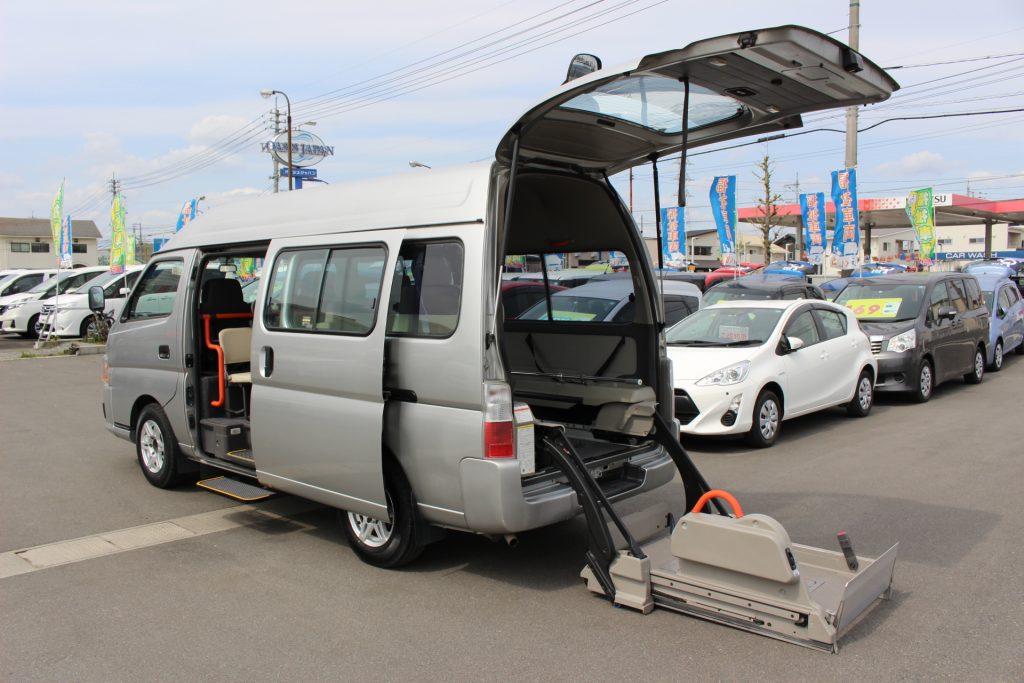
273,592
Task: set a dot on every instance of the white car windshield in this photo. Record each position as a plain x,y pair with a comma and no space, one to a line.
726,327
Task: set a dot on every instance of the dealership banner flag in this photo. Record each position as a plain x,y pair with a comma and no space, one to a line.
846,238
673,234
921,212
65,243
188,212
117,234
812,208
723,206
56,214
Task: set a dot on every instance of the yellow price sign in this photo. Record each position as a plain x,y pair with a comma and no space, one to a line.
875,308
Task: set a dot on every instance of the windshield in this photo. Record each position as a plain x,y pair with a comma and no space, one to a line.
731,294
726,327
656,102
571,307
886,302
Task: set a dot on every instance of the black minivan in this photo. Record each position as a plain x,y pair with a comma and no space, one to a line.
925,328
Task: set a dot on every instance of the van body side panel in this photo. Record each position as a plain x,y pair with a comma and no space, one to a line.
317,397
432,432
146,357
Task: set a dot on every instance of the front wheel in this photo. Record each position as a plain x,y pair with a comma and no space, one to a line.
925,382
997,357
978,373
383,543
767,419
156,447
863,397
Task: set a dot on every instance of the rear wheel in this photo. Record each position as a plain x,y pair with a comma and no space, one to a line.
997,357
156,447
30,329
978,373
383,543
863,398
925,382
88,328
767,419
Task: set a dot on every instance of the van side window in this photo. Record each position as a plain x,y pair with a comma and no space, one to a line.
938,299
325,290
957,295
974,297
426,292
154,297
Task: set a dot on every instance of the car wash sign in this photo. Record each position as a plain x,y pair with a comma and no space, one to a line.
307,149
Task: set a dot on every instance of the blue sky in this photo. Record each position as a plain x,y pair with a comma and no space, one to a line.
130,88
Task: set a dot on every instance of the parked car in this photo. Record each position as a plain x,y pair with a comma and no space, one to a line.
832,288
614,301
925,328
1008,268
876,269
22,281
570,277
518,296
1006,317
71,317
22,315
758,286
793,268
730,272
769,361
666,274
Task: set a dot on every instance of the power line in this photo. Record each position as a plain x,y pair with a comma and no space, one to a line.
955,61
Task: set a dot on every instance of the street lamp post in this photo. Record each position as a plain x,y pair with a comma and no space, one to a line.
266,92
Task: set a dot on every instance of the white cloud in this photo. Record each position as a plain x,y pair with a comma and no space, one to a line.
212,129
924,162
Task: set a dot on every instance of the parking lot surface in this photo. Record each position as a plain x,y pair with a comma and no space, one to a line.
280,596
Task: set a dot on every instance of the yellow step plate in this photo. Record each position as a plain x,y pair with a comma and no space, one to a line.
232,488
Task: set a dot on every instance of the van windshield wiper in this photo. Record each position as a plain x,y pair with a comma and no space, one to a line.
694,342
745,342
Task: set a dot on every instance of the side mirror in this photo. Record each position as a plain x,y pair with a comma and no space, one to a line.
795,343
124,291
946,313
96,301
581,65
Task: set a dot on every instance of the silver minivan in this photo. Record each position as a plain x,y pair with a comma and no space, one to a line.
375,372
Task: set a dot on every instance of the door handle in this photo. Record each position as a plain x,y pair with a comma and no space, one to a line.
267,361
164,352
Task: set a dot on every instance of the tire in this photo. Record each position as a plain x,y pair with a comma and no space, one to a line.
767,421
997,357
925,382
979,368
87,328
30,329
863,396
378,543
157,448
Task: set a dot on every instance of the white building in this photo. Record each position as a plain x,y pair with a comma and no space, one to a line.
28,243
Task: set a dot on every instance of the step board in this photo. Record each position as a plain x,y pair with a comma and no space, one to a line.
241,457
232,488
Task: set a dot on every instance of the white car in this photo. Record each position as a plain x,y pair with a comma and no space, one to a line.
72,317
21,281
742,367
21,313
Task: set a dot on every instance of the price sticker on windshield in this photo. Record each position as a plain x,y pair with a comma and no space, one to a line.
875,308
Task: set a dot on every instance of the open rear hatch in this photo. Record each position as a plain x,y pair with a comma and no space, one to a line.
741,84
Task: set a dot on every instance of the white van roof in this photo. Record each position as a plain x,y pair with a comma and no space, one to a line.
422,197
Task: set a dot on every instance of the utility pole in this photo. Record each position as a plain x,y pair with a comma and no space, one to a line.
851,112
115,186
799,219
277,129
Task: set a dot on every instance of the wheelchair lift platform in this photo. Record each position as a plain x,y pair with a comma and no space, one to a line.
739,570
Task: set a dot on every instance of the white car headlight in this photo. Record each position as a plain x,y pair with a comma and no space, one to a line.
730,374
902,342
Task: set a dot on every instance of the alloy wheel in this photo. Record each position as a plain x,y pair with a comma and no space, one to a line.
151,440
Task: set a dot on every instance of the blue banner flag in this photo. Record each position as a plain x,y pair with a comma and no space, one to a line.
812,208
846,238
673,234
723,206
188,212
65,243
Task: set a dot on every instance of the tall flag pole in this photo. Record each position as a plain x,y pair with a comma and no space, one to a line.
188,212
65,243
117,235
846,238
812,208
921,212
56,214
723,207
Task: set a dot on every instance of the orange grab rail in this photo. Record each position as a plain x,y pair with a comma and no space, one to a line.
220,352
724,495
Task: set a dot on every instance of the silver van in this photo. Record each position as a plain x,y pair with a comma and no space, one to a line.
375,372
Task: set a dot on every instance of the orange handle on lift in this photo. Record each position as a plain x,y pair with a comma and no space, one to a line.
220,352
724,495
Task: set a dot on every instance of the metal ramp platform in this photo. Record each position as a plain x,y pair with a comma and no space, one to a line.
737,570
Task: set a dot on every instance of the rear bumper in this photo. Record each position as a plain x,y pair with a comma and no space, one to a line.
498,502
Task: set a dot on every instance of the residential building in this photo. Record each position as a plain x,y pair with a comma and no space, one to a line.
28,243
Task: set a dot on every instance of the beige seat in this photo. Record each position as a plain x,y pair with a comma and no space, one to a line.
235,343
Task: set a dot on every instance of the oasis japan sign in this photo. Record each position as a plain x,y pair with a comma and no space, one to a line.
307,149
